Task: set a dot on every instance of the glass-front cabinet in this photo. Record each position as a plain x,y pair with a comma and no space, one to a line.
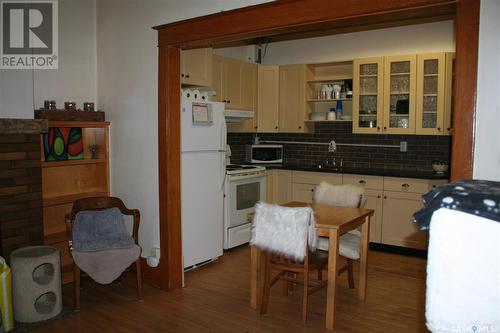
430,93
399,94
449,93
367,95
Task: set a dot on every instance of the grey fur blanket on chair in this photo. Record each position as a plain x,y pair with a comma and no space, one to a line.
101,245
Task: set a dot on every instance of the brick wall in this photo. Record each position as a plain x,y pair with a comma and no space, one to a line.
422,149
21,215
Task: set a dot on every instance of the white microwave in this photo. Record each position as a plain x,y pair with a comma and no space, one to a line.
264,154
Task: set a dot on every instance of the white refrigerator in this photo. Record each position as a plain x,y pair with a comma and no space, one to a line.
203,170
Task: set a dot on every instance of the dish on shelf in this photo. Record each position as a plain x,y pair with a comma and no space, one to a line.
440,167
346,117
317,115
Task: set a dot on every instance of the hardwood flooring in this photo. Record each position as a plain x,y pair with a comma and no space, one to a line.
216,300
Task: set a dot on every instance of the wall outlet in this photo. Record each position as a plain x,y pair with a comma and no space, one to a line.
403,146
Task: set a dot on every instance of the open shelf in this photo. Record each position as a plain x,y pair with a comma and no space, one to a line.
327,121
73,162
68,198
316,100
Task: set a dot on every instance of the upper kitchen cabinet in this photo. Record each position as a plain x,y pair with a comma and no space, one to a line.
400,76
322,79
449,92
234,82
430,93
292,98
196,67
268,99
367,101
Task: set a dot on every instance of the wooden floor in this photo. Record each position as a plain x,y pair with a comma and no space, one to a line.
216,300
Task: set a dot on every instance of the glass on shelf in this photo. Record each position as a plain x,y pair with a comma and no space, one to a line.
398,121
430,84
400,84
367,123
430,103
368,69
429,120
398,67
368,85
431,66
368,103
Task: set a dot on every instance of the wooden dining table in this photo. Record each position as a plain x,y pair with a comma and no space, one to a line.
331,222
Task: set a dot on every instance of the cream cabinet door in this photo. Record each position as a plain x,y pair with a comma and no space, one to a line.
430,93
374,201
449,94
232,83
217,73
399,94
270,186
368,87
282,186
196,67
292,98
268,97
398,227
303,192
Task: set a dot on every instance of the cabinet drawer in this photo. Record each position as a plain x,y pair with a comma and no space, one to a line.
406,185
239,235
307,177
369,182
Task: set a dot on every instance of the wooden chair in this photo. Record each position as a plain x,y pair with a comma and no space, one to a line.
288,270
287,231
348,196
100,203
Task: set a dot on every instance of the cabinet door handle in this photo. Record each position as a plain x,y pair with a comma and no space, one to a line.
405,185
378,196
312,190
378,128
187,75
182,75
275,127
256,127
385,128
448,129
439,129
385,197
228,101
224,101
362,181
300,127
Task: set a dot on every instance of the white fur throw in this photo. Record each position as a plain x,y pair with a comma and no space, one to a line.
339,195
283,230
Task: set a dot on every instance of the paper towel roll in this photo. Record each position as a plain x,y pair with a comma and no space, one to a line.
187,94
196,95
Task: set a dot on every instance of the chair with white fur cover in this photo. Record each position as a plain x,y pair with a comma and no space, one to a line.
348,196
288,239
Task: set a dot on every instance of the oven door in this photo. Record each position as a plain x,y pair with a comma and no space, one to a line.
242,195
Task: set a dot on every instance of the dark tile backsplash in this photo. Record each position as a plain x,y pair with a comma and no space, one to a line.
422,149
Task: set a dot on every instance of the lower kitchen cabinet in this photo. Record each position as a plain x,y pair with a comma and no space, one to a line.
279,186
398,226
303,192
374,201
393,199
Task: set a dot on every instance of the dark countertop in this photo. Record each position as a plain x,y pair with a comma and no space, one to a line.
421,174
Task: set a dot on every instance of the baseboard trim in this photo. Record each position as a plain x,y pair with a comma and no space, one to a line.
399,250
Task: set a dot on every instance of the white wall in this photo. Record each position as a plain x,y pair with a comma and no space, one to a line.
22,90
420,38
487,142
127,91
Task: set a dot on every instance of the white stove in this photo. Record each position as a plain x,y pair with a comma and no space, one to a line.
245,186
244,170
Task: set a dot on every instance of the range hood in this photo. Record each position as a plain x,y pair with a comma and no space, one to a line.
237,116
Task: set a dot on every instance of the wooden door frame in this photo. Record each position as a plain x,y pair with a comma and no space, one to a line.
296,18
